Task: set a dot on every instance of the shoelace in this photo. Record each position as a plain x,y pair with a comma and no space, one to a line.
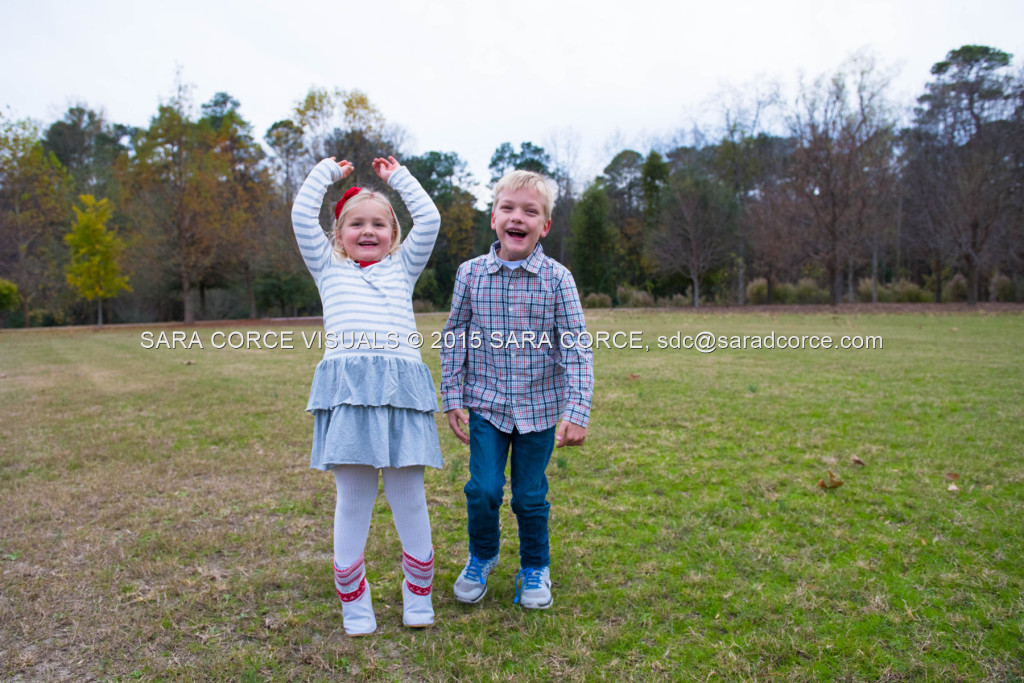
474,569
528,579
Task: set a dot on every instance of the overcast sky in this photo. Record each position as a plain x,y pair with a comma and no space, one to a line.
466,76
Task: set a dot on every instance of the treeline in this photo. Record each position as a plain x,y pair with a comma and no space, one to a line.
839,194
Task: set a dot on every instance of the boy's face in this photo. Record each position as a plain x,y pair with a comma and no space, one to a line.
518,219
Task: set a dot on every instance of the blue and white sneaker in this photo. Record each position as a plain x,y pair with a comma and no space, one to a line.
471,586
533,588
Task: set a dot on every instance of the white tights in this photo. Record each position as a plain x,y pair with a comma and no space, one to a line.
357,491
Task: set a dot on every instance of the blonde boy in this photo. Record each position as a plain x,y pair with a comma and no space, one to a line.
516,367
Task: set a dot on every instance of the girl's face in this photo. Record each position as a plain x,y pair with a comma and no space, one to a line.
366,233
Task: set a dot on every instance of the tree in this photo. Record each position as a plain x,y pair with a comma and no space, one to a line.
33,207
698,228
594,243
738,159
530,157
838,124
245,195
95,268
285,138
9,300
175,187
961,155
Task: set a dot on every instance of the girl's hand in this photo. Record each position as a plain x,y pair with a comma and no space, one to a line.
385,167
346,168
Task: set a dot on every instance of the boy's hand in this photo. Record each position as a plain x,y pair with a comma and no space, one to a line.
346,167
385,167
455,416
570,434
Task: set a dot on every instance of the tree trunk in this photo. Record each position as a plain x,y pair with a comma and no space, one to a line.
186,291
973,273
696,292
24,312
851,291
874,271
937,269
741,277
99,318
250,291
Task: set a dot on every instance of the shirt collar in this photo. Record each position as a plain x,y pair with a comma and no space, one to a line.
532,263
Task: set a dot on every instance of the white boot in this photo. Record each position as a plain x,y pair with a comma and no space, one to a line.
417,609
356,604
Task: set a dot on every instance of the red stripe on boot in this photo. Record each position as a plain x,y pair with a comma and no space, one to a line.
356,594
345,575
418,590
422,565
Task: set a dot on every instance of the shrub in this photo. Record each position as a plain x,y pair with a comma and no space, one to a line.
955,289
1001,288
784,293
674,301
423,306
757,292
597,300
808,292
906,292
634,298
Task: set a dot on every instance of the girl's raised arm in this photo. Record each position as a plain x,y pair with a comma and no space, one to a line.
313,243
426,220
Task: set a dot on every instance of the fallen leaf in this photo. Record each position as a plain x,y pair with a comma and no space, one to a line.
633,377
952,476
955,329
952,487
857,461
188,362
832,482
988,487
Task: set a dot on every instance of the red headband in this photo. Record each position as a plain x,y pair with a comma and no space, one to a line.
349,193
352,192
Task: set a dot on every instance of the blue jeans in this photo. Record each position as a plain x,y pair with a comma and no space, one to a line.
488,451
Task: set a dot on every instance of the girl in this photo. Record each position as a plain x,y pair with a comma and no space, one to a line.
373,399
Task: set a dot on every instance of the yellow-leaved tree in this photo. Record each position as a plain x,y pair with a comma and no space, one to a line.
95,268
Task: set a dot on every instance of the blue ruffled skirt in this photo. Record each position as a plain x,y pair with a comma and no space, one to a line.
373,410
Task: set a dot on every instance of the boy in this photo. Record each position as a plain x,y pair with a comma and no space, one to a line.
516,365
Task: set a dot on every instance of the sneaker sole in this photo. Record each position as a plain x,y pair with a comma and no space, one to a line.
525,606
472,602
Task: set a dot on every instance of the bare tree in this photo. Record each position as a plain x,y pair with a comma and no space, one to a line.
698,228
841,125
962,151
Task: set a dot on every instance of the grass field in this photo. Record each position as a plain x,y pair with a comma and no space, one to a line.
159,520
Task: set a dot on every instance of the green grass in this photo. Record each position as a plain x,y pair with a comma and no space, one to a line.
159,520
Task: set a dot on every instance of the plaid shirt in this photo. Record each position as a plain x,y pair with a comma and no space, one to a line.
509,351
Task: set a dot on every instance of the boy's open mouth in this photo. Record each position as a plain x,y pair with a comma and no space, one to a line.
367,244
513,232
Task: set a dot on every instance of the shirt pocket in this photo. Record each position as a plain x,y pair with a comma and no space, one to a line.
542,312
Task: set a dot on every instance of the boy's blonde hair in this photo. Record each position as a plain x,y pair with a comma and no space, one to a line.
527,180
362,196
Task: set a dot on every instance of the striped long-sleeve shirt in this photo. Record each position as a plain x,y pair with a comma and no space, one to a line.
366,310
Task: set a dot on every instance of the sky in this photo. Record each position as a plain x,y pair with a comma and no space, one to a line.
583,79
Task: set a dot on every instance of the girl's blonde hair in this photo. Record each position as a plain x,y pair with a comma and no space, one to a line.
360,197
